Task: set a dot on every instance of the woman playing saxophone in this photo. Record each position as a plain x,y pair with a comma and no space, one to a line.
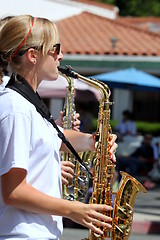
31,206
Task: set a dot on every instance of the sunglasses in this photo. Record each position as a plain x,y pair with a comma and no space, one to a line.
24,51
57,48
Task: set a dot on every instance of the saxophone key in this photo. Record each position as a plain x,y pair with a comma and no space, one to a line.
82,181
125,212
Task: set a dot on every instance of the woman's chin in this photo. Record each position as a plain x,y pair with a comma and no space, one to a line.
54,77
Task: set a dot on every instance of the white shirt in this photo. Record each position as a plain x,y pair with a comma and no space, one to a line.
30,142
5,80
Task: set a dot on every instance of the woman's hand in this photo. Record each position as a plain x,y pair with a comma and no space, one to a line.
90,216
59,120
76,122
17,193
67,171
113,147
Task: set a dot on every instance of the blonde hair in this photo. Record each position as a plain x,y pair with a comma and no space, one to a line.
43,36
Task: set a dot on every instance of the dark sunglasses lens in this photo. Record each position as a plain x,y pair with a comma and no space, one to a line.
58,47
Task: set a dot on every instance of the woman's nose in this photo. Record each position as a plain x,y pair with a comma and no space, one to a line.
60,56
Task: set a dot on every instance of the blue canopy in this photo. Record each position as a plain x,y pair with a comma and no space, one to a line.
130,78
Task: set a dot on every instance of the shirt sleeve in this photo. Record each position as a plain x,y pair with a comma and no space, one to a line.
15,132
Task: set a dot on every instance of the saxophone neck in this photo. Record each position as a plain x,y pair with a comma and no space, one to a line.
69,106
102,87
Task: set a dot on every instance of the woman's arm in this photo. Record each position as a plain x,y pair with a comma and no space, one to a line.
86,142
17,193
80,141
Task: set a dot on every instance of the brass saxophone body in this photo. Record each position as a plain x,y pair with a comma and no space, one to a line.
123,200
125,197
78,187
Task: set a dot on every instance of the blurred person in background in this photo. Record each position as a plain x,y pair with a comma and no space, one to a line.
140,161
127,125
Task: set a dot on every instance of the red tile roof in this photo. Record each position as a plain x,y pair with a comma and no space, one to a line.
146,23
90,34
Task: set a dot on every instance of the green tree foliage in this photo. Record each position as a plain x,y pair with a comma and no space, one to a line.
136,7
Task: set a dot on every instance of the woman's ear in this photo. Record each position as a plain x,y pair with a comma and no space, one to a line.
32,55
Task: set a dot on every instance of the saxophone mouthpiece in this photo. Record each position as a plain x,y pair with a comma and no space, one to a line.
63,70
68,71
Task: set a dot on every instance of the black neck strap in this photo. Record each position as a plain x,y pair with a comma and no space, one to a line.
21,86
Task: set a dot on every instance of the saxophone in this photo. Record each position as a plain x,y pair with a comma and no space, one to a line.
123,200
77,188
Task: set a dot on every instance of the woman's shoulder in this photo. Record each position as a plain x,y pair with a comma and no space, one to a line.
12,102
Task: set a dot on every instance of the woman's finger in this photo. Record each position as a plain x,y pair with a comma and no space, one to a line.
101,217
99,223
76,116
95,225
67,163
64,181
68,170
67,175
113,152
113,139
93,228
76,122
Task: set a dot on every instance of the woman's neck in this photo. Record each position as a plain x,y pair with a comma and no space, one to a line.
31,79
